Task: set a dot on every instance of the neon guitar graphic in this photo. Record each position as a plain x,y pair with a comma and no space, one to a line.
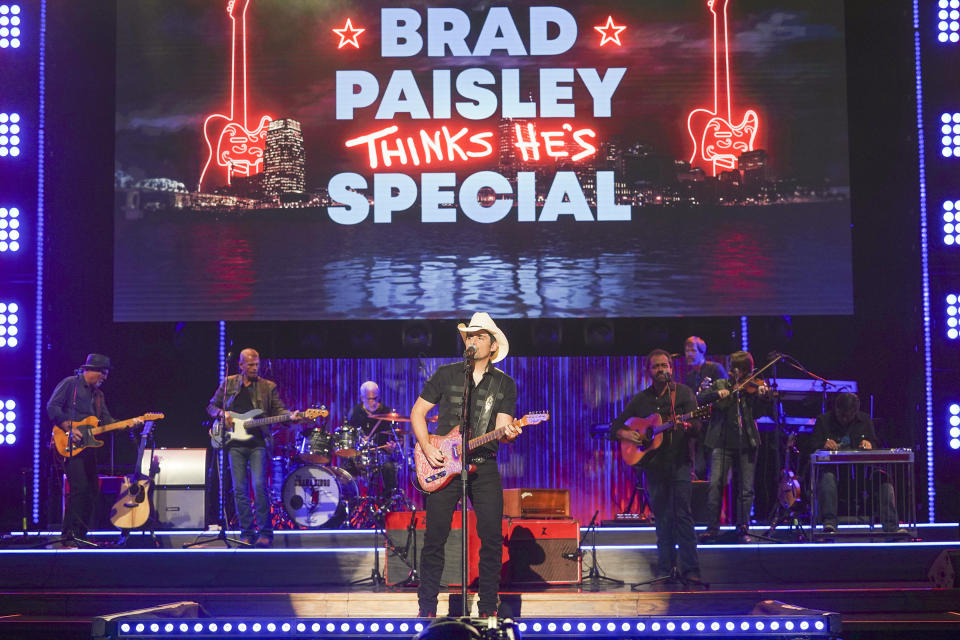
233,148
717,142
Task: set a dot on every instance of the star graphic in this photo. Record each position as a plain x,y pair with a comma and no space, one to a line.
348,35
610,32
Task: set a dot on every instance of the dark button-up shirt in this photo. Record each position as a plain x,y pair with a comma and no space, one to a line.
362,420
846,437
713,370
89,402
445,388
675,448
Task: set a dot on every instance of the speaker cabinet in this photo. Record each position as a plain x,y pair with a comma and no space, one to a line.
944,573
409,546
179,508
540,551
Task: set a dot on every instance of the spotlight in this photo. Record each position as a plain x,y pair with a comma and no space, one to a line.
948,21
9,135
951,221
8,421
9,332
9,26
953,316
9,228
950,134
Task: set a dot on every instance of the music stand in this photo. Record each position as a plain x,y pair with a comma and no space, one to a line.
376,578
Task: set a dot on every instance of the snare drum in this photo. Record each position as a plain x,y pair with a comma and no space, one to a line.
317,497
313,445
346,441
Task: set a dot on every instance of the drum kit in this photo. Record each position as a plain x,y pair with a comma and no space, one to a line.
344,477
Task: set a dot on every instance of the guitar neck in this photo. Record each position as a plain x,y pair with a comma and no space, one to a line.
496,434
123,424
258,422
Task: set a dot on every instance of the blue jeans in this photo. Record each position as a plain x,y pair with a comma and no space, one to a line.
256,458
882,504
721,462
670,493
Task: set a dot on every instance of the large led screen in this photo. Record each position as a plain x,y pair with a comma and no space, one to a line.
316,159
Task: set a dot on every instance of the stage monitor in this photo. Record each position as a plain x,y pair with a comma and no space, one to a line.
315,160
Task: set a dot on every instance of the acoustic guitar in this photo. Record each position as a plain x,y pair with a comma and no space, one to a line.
430,478
89,428
652,428
132,509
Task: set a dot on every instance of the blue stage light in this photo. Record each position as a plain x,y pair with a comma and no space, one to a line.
8,421
10,27
9,229
948,21
925,257
9,320
9,135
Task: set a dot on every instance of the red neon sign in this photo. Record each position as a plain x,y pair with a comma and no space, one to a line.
348,35
387,146
233,148
610,32
717,142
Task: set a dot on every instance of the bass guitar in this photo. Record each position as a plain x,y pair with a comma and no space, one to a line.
245,423
430,478
652,428
132,509
89,428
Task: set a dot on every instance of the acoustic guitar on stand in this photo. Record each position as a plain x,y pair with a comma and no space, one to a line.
89,428
430,478
132,509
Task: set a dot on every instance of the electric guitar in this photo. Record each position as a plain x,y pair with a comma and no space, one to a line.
132,509
652,428
233,148
89,428
245,423
717,141
430,478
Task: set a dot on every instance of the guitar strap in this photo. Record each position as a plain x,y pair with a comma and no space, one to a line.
484,420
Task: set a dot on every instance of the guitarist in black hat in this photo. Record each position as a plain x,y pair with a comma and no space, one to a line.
77,397
667,468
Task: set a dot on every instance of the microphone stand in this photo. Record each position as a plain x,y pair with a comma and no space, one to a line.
594,576
468,364
218,461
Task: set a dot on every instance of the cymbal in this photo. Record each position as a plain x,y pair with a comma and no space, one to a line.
393,416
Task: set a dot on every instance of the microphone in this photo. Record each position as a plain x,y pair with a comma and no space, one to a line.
668,376
470,351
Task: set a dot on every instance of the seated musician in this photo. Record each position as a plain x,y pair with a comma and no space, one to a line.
360,417
846,427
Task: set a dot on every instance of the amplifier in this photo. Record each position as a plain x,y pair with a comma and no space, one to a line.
541,551
536,503
180,508
398,530
178,467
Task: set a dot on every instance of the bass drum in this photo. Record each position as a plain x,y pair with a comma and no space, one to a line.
317,497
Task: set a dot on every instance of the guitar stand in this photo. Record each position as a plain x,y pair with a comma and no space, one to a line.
780,514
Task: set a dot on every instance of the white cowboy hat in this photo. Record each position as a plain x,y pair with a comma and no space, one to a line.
481,321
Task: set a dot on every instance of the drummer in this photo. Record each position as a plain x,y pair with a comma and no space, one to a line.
382,435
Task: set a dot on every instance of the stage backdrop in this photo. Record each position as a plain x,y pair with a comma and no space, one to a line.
332,159
578,392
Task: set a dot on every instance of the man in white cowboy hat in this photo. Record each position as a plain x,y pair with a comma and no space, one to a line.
75,398
493,399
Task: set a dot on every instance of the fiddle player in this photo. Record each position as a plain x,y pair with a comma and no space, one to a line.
733,439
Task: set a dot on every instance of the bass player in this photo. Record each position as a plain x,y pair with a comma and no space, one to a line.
493,399
667,468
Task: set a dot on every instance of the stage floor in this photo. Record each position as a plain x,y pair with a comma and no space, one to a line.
872,582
